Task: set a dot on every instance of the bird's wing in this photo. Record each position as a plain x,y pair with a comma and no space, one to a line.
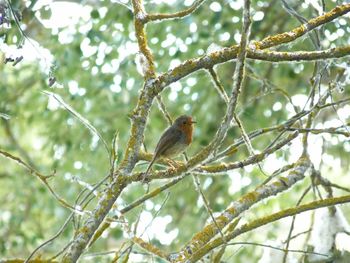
169,138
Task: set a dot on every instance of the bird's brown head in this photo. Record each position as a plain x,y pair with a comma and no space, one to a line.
185,124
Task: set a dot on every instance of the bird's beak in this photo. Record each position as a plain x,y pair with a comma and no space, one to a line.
193,122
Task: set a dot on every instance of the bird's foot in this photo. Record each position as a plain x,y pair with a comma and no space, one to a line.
173,164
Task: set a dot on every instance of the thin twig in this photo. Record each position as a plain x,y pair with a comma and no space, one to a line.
292,225
206,203
247,141
63,227
15,143
177,15
163,109
71,217
79,117
42,178
134,204
277,248
218,85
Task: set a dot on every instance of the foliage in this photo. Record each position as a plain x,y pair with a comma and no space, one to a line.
91,60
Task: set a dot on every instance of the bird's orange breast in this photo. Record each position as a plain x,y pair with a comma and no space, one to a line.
188,130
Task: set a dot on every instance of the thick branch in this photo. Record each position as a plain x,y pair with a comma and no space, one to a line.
269,219
138,118
253,159
237,207
85,233
139,22
226,54
275,56
151,88
149,247
287,37
138,124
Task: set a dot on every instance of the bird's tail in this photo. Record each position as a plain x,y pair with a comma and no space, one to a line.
150,166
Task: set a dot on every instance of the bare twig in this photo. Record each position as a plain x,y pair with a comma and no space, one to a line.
177,15
218,85
63,227
292,225
146,245
42,178
79,117
277,248
163,109
206,203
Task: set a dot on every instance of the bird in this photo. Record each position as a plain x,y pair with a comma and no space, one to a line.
174,140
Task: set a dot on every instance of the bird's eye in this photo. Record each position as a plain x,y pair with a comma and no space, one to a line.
184,122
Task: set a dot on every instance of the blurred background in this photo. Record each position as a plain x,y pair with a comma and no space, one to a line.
89,48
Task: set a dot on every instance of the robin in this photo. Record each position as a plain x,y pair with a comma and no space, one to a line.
174,140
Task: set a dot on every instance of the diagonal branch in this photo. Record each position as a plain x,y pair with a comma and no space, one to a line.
221,167
149,247
236,208
138,118
287,37
134,204
217,168
85,233
218,85
230,53
42,178
269,219
180,14
150,89
252,159
226,54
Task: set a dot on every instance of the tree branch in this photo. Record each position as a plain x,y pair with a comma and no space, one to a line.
180,14
244,203
85,233
138,124
269,219
140,17
152,87
287,37
275,56
227,54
